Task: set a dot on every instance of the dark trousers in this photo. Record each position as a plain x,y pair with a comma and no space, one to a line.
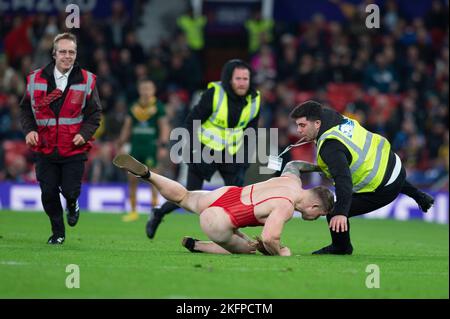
363,203
55,178
195,180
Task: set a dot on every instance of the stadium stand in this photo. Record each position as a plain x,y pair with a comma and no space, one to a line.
394,79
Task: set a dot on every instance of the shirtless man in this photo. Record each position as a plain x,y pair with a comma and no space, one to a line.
224,210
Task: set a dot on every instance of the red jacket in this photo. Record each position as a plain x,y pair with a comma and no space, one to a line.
59,131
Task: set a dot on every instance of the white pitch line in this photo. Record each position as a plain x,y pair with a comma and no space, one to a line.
12,263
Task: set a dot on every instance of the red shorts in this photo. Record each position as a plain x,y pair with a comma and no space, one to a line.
240,215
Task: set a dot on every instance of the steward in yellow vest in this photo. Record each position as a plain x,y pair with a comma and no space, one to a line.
215,132
259,31
225,110
193,29
367,175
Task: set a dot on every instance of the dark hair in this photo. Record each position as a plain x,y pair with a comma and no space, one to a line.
312,110
228,68
227,73
325,196
239,64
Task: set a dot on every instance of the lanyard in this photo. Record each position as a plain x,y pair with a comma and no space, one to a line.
299,143
275,162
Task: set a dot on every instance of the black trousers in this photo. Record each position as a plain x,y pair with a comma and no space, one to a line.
55,178
363,203
231,174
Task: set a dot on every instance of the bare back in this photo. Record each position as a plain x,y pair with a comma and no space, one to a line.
283,191
275,192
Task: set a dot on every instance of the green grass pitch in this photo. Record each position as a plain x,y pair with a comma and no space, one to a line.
116,260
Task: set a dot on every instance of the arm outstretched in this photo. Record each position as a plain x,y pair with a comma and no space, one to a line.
297,167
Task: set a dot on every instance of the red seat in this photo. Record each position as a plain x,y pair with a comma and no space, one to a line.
341,94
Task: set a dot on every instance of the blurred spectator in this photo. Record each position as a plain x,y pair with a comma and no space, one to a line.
17,170
390,15
114,120
380,114
136,51
10,120
264,65
184,72
288,62
104,75
101,169
118,24
402,137
107,96
18,40
436,139
359,104
437,17
340,67
43,56
305,77
123,70
355,14
10,81
381,77
157,71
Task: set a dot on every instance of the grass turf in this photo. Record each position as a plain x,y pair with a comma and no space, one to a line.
116,260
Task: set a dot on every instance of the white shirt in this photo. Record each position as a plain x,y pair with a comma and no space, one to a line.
61,79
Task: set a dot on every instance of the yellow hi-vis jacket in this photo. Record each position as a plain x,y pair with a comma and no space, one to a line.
215,132
193,28
255,30
370,154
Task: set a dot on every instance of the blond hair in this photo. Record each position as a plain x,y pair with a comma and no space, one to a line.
63,36
325,196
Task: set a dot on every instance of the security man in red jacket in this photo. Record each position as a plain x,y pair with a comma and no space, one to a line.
60,113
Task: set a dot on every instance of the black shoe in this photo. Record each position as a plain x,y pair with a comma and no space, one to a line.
73,213
153,223
425,201
333,250
189,244
56,240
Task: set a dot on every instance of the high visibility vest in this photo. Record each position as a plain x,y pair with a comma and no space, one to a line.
215,132
255,29
193,28
59,131
370,154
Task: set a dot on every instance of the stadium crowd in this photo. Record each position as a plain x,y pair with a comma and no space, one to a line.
394,80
